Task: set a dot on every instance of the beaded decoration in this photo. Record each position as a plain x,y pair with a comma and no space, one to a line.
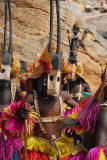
46,119
37,111
13,92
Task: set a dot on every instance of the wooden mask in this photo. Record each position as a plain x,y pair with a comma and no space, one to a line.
5,74
53,82
72,76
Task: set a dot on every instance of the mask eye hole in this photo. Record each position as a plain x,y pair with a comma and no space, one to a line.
57,79
51,78
3,70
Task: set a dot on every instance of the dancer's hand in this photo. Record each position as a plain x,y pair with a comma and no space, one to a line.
25,113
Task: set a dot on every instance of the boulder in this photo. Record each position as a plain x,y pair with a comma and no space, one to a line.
31,34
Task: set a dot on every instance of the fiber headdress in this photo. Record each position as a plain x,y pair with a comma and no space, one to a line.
15,66
42,64
89,113
79,70
42,59
66,70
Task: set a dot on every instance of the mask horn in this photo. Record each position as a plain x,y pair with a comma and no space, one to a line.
10,24
5,29
1,50
51,27
58,27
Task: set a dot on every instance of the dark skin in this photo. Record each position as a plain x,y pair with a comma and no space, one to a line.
19,93
101,133
99,138
5,93
74,87
49,107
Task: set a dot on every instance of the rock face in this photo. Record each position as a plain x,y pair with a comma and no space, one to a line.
31,34
101,27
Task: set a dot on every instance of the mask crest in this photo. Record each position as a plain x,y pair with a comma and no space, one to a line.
74,44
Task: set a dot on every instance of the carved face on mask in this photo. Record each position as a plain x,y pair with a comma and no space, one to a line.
72,76
6,66
5,75
53,82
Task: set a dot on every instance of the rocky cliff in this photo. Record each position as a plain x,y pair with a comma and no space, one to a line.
31,33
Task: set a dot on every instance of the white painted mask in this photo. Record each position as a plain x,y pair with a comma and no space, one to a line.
6,72
53,83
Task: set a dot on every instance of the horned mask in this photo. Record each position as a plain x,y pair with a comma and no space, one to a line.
6,62
46,74
71,77
54,77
